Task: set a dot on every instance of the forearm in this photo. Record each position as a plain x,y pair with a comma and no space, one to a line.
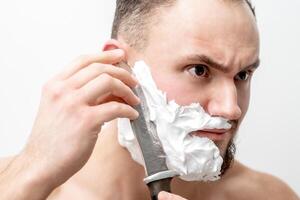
19,182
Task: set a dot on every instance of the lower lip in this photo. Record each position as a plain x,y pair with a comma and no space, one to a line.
211,135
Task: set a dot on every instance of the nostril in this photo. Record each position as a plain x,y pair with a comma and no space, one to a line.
236,113
232,112
224,103
228,111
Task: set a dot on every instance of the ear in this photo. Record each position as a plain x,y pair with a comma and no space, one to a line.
130,54
111,44
115,44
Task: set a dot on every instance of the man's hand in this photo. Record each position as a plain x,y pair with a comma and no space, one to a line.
168,196
74,105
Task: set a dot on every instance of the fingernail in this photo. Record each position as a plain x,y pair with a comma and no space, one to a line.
119,52
138,100
134,78
137,114
163,195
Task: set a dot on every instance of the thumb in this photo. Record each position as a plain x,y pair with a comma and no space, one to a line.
168,196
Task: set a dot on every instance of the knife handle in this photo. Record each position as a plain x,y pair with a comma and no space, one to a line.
160,185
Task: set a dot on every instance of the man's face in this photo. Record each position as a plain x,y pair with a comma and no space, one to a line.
204,51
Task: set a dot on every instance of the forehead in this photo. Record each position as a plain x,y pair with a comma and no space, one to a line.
223,29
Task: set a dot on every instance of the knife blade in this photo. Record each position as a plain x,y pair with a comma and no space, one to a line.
158,175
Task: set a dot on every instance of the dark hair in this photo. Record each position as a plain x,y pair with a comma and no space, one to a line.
229,157
133,16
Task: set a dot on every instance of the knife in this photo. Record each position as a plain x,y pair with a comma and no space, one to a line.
158,176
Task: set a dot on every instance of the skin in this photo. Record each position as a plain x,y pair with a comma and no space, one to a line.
69,155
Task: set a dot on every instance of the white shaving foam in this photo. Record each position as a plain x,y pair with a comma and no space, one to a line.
193,158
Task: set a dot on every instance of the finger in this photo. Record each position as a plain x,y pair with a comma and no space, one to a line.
168,196
105,84
90,72
107,98
112,110
107,57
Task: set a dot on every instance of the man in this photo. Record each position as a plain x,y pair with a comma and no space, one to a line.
198,50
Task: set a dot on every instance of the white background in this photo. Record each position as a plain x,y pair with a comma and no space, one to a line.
37,39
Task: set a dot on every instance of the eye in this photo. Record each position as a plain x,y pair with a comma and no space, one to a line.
198,70
243,75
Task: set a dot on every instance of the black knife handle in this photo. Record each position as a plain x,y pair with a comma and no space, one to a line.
157,186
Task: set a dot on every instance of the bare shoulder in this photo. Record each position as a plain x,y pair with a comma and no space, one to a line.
259,185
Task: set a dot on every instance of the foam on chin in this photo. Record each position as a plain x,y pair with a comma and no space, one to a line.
193,158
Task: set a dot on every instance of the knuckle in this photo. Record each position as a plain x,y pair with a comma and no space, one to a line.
118,82
111,69
107,79
53,89
117,107
98,67
84,58
86,117
88,121
121,72
70,103
124,72
79,116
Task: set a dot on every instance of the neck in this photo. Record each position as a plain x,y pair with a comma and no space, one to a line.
113,165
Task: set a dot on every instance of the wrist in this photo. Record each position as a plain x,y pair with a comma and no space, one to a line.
22,180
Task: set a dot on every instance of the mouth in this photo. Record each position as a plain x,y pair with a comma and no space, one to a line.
213,134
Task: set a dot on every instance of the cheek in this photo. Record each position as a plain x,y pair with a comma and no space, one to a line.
243,99
176,88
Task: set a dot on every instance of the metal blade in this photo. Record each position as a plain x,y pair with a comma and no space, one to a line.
146,134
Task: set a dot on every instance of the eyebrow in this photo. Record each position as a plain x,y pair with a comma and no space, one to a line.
218,66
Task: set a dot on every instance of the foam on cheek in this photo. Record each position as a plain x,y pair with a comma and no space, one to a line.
193,158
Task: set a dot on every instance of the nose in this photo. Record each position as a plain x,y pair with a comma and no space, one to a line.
224,102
